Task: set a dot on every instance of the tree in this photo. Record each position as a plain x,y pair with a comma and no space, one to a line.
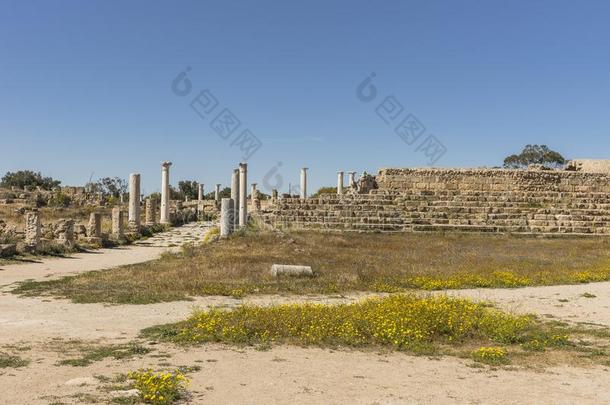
112,186
224,193
534,154
324,190
189,188
28,178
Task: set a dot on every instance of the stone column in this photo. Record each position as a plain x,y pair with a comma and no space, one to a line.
134,202
200,195
243,194
254,203
235,197
94,229
339,182
304,183
274,195
65,233
32,230
165,219
226,217
151,211
217,193
117,223
352,180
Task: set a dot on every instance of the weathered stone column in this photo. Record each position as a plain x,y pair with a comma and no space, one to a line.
117,223
226,217
235,197
32,230
243,194
134,202
200,194
254,203
304,183
151,211
94,229
165,219
339,182
274,195
65,233
352,180
217,193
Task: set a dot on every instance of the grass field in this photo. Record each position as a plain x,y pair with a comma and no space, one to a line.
356,262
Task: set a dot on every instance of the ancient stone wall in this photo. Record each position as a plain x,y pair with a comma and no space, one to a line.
589,165
469,200
409,180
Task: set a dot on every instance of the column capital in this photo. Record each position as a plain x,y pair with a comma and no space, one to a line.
166,164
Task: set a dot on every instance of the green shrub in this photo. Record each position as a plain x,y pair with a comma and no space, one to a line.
60,199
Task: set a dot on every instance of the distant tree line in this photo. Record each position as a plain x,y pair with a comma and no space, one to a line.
23,178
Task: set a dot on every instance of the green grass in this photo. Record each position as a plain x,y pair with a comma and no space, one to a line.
240,265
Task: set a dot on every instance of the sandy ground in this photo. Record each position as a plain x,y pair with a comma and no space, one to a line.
317,376
282,374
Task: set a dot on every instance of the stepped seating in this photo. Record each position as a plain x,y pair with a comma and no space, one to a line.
520,212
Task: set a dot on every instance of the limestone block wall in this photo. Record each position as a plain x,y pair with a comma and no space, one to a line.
477,200
406,180
590,165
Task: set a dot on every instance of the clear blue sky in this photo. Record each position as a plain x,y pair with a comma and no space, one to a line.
86,86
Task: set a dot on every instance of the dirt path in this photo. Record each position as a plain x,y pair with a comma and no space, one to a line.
282,374
141,251
315,376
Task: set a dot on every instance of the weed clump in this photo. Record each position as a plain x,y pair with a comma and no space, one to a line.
490,355
10,361
159,388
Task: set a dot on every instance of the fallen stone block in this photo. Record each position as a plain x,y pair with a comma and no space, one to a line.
291,270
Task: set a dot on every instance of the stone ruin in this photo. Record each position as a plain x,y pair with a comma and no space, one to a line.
542,202
38,197
66,234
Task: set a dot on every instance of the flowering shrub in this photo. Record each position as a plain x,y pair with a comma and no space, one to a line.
399,321
490,355
159,388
